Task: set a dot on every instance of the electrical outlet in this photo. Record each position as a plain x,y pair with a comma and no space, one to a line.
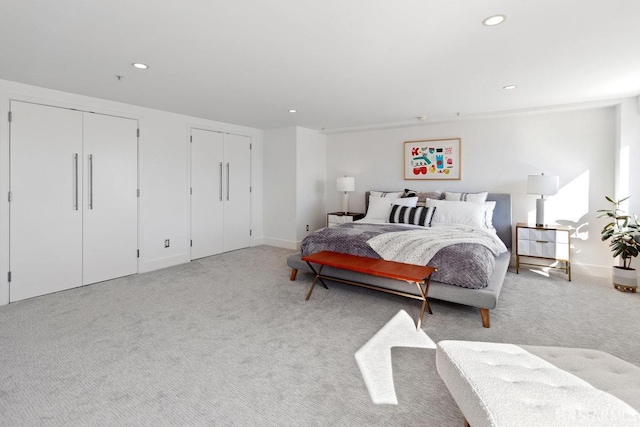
166,243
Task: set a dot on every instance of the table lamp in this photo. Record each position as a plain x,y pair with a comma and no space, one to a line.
544,185
346,184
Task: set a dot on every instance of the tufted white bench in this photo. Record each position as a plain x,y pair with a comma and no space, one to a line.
509,385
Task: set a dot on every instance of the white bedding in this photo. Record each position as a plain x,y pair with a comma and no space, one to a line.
419,245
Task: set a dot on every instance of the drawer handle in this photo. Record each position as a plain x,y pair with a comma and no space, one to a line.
542,241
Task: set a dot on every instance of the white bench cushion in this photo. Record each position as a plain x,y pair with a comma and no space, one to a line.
505,385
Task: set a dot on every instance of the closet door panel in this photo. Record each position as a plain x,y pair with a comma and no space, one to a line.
46,210
237,204
110,226
207,174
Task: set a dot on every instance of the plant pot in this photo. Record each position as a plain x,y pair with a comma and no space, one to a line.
625,279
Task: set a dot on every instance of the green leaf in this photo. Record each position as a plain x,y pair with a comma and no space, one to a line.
605,214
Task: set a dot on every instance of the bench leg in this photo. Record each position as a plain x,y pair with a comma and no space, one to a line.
318,277
484,313
294,273
311,288
425,301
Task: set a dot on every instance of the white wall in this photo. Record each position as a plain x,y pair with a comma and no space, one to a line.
497,155
311,177
628,153
280,187
295,161
163,174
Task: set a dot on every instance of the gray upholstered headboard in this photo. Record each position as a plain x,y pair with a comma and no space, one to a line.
501,215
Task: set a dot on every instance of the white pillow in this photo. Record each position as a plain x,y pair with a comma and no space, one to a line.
392,194
456,212
380,207
488,213
411,202
466,197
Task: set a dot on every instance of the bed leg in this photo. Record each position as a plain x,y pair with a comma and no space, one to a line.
484,313
294,272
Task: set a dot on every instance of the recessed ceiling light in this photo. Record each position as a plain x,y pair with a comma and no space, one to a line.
494,20
140,65
509,87
292,110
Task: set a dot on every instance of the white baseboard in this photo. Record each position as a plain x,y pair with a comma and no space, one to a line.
591,270
279,243
163,263
577,268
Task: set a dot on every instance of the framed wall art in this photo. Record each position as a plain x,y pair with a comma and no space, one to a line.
432,159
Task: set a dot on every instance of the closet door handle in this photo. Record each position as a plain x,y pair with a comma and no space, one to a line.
91,181
75,176
228,168
220,181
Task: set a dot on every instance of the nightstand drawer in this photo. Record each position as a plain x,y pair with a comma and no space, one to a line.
543,249
337,218
540,235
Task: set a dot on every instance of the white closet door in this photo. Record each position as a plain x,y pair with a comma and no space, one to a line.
110,205
237,203
46,210
207,171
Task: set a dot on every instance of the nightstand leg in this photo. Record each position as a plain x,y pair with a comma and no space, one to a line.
517,264
569,269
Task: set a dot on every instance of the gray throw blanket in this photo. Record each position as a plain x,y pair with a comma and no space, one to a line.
468,265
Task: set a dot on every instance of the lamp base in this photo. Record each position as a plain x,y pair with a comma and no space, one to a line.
540,212
345,203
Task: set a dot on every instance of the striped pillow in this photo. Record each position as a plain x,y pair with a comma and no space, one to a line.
417,216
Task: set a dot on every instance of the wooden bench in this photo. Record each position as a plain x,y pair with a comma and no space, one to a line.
417,274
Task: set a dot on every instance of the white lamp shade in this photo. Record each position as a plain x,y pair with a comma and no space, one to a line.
346,183
544,185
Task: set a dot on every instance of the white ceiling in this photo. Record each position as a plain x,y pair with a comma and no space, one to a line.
340,63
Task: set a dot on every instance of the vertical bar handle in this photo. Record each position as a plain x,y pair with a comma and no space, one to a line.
75,176
91,181
220,181
228,173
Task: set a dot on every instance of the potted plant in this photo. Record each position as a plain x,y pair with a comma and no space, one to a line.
624,234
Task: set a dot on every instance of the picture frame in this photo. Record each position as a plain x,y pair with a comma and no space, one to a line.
437,159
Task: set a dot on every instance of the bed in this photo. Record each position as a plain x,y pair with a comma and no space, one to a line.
484,295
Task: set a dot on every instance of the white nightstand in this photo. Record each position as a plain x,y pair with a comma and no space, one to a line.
547,242
335,218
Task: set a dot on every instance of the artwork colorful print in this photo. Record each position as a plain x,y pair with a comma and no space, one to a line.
432,159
